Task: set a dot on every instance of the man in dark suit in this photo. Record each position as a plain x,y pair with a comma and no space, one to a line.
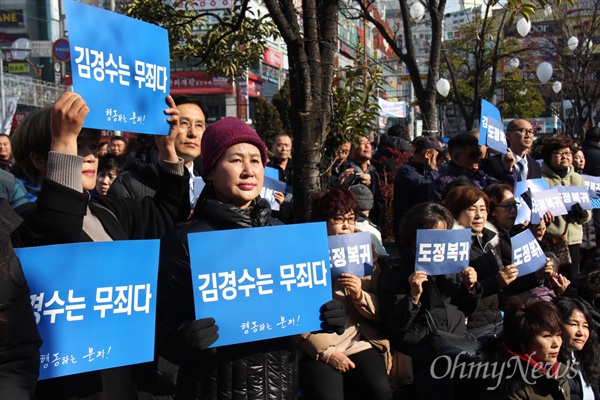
519,135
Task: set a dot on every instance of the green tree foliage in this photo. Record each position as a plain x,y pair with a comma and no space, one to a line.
228,47
521,98
268,123
281,101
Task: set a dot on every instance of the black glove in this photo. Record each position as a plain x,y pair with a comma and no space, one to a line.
577,212
198,335
333,316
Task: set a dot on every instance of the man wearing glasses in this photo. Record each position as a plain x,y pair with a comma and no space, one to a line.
519,135
465,156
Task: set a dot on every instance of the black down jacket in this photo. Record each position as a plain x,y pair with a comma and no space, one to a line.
259,370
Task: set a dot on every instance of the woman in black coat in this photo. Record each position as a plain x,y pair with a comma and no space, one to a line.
62,153
407,296
233,160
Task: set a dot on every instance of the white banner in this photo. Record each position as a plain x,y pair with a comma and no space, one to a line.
392,109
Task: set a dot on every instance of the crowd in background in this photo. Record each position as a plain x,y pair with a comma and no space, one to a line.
60,183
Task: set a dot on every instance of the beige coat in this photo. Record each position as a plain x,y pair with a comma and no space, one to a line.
574,231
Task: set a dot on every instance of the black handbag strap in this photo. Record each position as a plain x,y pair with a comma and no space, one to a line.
430,321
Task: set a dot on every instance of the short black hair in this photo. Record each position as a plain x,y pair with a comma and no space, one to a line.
593,134
462,141
180,99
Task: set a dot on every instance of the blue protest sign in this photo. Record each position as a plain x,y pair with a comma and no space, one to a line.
351,254
441,252
527,255
95,303
575,194
261,283
270,186
289,194
535,185
548,200
495,137
488,110
595,202
592,182
121,68
523,211
272,173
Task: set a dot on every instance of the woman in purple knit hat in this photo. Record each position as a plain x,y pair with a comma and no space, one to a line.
233,161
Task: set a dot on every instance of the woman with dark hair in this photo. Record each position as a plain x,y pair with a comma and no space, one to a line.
580,349
19,337
530,368
57,151
354,362
469,206
557,170
109,167
502,215
408,296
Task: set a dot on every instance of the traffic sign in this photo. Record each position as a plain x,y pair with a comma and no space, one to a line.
61,50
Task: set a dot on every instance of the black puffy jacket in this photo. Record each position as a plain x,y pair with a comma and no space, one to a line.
259,370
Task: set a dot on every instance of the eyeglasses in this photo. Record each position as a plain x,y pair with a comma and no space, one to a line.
185,124
472,211
524,131
475,155
508,207
340,219
561,154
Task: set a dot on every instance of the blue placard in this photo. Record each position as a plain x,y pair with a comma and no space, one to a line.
592,183
488,110
527,255
441,252
548,200
523,211
495,137
575,194
351,254
270,186
535,185
121,68
272,173
261,283
95,303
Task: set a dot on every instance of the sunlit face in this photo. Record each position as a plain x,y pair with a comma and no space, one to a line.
237,176
579,160
192,123
282,148
544,347
505,213
116,147
468,158
341,224
364,150
5,148
105,179
521,137
576,331
87,146
474,217
561,158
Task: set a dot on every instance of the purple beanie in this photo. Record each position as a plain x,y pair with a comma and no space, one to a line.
223,134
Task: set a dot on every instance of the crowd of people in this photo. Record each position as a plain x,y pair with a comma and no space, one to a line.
535,336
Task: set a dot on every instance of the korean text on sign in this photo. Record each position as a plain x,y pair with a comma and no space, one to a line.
441,252
527,255
352,254
127,61
89,301
271,273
